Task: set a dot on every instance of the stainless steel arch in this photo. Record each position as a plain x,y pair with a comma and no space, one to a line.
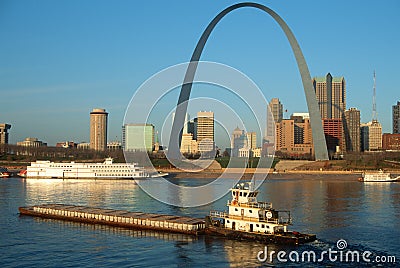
321,152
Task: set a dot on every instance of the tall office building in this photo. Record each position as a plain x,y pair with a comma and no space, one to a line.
98,129
205,131
352,130
396,118
251,140
331,96
371,136
138,137
274,115
4,133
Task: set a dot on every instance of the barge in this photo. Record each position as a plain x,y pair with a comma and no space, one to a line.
248,219
118,218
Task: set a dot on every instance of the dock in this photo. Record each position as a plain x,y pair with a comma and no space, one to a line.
119,218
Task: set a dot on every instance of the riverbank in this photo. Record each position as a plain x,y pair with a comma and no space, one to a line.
249,173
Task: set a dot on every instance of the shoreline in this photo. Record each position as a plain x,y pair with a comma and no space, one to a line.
179,174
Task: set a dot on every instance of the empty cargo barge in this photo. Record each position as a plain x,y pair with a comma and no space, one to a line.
119,218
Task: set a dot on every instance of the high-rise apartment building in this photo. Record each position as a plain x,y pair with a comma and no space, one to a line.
331,96
205,131
352,130
4,133
138,137
371,136
98,129
274,115
396,118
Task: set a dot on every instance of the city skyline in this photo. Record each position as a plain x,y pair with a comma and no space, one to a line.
74,63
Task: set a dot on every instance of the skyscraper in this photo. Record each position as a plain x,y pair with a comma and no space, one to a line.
352,130
205,131
98,129
396,118
4,133
331,96
274,115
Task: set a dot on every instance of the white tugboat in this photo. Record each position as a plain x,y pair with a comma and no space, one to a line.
249,219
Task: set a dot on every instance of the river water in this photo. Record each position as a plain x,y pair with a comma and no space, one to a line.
365,215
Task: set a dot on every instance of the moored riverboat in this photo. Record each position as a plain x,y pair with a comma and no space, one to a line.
379,176
106,170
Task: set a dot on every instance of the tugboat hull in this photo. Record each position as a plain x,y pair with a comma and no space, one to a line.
286,238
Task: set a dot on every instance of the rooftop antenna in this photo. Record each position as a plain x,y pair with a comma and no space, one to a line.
374,115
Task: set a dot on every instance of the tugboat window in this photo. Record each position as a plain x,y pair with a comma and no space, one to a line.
236,209
245,194
250,211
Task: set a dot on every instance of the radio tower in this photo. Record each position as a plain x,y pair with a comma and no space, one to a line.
374,115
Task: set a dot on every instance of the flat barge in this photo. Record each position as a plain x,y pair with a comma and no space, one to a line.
118,218
246,219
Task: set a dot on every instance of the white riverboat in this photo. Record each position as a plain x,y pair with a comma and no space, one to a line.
379,176
72,170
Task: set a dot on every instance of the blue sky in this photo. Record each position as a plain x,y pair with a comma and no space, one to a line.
60,59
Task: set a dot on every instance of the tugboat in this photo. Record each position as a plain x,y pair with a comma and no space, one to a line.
248,219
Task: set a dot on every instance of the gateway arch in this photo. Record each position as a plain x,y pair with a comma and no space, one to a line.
320,148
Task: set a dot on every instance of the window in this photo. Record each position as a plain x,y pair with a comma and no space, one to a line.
240,193
257,225
236,209
262,226
227,221
250,211
244,194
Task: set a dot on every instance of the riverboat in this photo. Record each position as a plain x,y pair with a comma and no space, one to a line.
72,170
379,176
